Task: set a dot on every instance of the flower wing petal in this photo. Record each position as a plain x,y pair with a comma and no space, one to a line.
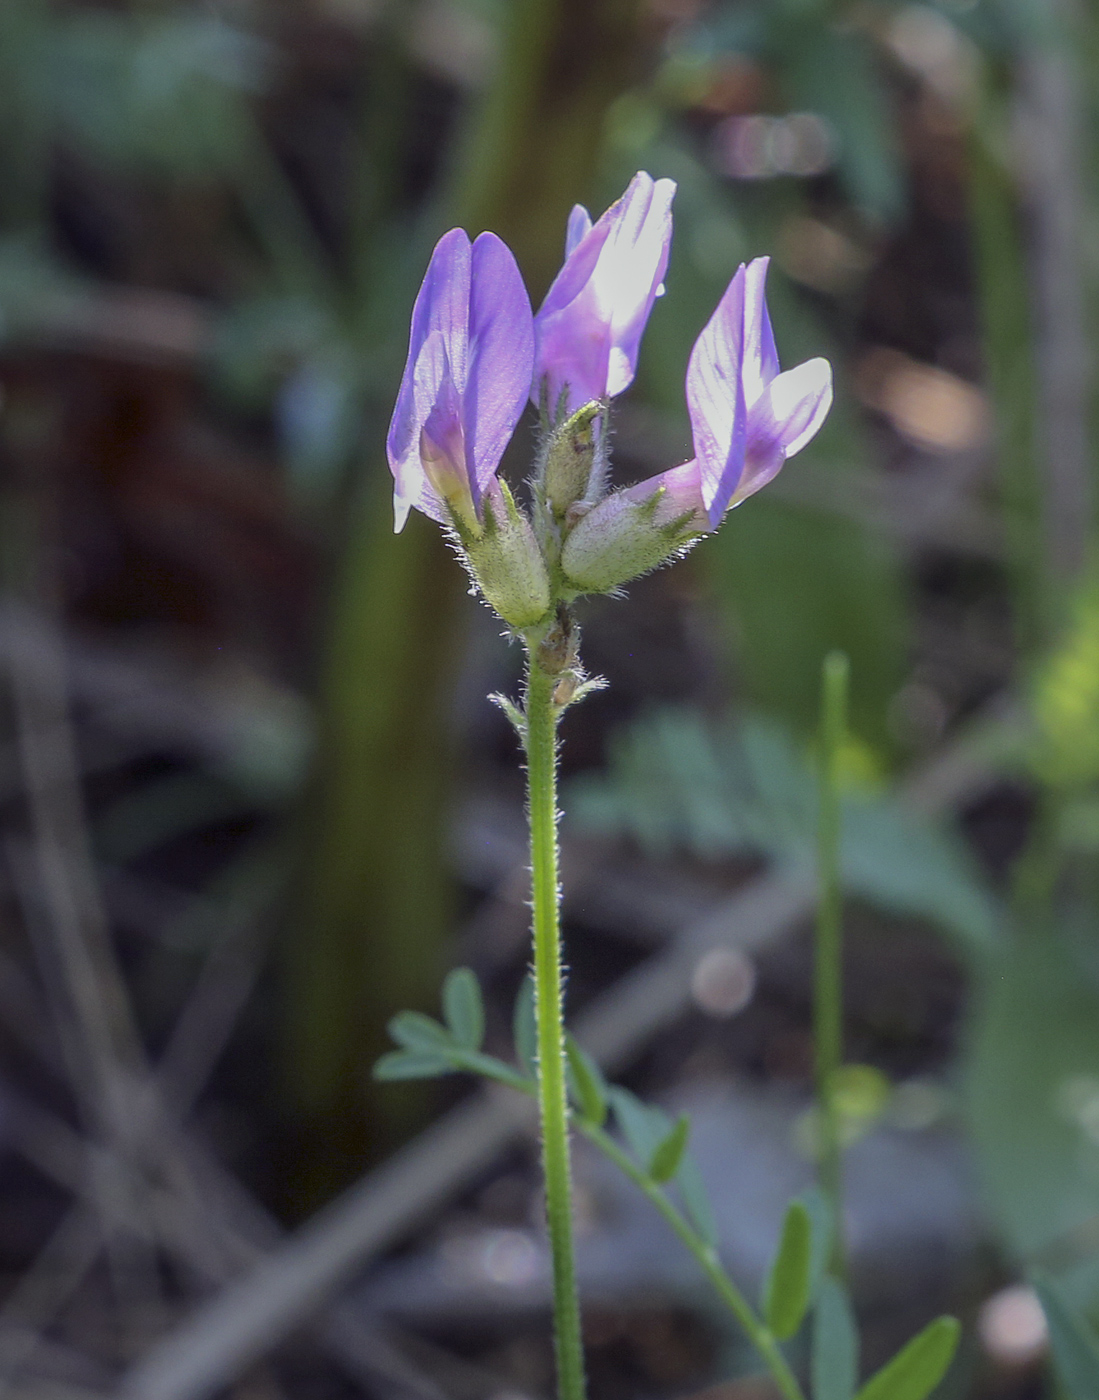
780,423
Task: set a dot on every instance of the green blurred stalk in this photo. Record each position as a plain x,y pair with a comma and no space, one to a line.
828,960
532,148
1003,297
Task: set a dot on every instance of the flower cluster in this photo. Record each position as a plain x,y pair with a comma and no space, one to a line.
476,353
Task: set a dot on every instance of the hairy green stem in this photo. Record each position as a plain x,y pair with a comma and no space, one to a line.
541,746
828,963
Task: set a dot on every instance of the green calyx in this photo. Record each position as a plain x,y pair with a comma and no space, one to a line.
572,469
506,562
622,538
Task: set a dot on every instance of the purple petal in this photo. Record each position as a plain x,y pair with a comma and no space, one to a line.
783,420
434,410
500,358
589,327
579,226
716,400
630,271
442,308
760,355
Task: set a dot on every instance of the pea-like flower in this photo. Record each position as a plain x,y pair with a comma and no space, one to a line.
588,330
465,383
746,419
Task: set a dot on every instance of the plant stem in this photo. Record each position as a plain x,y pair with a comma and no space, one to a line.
828,968
759,1335
541,745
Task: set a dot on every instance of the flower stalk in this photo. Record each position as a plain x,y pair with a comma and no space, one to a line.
541,747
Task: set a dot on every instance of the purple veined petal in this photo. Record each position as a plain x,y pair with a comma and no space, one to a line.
716,400
579,226
783,420
793,406
589,327
630,271
760,363
435,409
441,308
569,346
500,359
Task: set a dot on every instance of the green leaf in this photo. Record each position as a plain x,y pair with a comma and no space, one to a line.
668,1153
1075,1353
415,1031
786,1291
917,1368
835,1352
835,72
696,1201
820,1218
412,1064
835,586
586,1083
463,1008
525,1028
644,1128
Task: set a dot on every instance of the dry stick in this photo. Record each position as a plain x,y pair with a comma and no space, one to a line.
70,938
120,1097
292,1283
45,1288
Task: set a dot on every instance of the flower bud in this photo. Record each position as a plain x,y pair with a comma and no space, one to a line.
574,461
505,560
635,530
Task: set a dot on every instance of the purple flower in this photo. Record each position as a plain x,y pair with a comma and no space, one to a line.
746,416
589,327
465,382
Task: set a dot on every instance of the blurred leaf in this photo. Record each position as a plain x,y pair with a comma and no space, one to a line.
917,1368
786,1290
586,1082
525,1027
1033,1088
463,1008
835,73
913,867
1065,699
798,584
166,92
819,1210
835,1352
411,1064
1075,1352
643,1127
696,1199
676,781
415,1031
667,1156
